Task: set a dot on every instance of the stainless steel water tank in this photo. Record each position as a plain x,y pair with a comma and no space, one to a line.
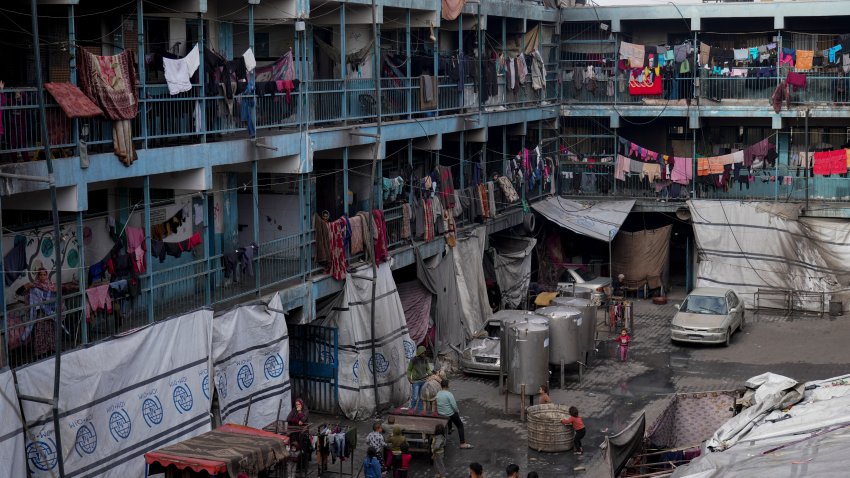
588,323
565,345
508,318
528,355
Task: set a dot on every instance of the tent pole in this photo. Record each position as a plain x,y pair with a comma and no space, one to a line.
376,73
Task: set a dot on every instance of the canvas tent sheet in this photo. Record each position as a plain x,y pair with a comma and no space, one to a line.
225,451
394,348
512,263
620,447
747,246
120,397
438,275
799,428
642,256
597,219
250,350
469,272
11,428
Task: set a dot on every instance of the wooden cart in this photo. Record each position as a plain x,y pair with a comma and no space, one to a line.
418,428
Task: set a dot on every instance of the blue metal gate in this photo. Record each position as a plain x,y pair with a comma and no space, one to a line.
314,366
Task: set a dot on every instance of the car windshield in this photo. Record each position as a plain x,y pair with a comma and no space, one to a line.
701,304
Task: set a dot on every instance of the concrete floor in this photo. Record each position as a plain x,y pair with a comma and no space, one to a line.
613,393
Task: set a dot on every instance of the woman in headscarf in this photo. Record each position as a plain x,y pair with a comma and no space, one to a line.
42,300
298,415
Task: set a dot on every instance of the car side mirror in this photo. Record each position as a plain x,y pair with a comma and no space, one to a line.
677,306
734,310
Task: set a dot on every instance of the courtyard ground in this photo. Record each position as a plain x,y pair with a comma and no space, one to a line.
612,393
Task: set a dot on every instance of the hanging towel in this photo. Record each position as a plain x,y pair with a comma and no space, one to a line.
796,80
632,52
805,59
704,53
178,73
740,54
830,162
682,172
250,61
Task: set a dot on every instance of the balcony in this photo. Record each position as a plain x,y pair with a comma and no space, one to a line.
165,120
27,333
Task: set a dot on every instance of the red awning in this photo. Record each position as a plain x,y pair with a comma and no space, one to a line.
223,451
72,101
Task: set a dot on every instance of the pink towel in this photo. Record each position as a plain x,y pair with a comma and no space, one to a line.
623,165
135,237
683,170
98,299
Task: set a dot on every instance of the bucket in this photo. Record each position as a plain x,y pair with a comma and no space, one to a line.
836,308
545,431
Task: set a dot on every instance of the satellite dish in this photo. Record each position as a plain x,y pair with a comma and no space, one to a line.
683,213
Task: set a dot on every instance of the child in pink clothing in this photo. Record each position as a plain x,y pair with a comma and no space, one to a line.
623,341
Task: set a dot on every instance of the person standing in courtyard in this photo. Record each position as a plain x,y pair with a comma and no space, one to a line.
447,407
577,423
623,341
544,394
418,371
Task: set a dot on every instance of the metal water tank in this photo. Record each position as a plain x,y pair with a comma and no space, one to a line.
588,323
565,324
508,318
528,355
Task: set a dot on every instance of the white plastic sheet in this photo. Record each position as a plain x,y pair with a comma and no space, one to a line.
600,220
747,246
120,398
394,348
12,455
250,350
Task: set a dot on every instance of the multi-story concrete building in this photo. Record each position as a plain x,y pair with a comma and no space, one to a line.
239,169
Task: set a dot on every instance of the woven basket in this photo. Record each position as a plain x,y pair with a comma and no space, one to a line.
545,431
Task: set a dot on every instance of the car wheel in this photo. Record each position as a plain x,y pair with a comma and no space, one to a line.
728,337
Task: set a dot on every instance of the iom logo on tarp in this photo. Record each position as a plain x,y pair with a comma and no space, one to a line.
86,440
380,365
221,385
182,398
273,367
120,425
205,385
42,455
245,376
355,370
152,411
409,349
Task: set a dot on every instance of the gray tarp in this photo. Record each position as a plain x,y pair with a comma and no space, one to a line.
597,219
512,263
747,246
620,447
437,274
393,345
642,256
11,428
472,289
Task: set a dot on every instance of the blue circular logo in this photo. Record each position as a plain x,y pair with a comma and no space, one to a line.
355,369
273,367
182,398
380,364
221,385
326,357
119,425
152,411
245,376
409,349
205,385
42,455
86,441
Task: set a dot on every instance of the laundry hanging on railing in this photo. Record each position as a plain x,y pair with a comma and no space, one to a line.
110,82
178,72
831,162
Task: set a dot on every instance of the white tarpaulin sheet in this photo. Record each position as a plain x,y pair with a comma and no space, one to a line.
394,348
12,455
472,289
806,439
597,219
250,349
512,263
747,246
121,398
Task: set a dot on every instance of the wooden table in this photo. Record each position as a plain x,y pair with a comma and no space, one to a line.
418,428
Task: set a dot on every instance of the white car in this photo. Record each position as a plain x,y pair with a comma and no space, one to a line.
708,315
582,279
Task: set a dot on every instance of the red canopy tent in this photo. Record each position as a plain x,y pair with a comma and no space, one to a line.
223,452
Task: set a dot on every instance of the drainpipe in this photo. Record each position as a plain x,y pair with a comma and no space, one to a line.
57,239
